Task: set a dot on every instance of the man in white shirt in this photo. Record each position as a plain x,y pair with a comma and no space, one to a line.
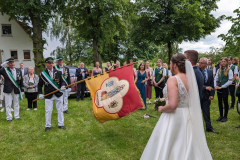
234,69
67,81
13,88
52,81
23,70
81,73
158,77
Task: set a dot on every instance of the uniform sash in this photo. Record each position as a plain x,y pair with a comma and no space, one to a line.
49,79
65,80
14,82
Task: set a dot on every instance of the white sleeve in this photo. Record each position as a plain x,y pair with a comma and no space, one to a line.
153,72
230,77
214,70
169,73
230,74
164,72
216,79
236,70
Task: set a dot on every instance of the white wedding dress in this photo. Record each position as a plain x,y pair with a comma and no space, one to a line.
180,135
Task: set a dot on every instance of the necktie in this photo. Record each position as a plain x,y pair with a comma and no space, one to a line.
50,73
204,75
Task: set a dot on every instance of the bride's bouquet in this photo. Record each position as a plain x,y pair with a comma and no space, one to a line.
159,102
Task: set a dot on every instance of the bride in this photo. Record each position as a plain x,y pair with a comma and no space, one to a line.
179,133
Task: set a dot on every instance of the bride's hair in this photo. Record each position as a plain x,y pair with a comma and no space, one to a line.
179,60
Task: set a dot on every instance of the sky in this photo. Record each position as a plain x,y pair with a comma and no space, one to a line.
225,7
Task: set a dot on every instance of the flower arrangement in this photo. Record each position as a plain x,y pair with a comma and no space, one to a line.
159,102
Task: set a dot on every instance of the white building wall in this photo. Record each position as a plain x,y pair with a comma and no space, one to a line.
19,41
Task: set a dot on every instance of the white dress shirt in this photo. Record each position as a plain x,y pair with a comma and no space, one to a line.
229,82
50,73
235,71
83,74
14,73
169,73
164,71
61,69
214,70
22,69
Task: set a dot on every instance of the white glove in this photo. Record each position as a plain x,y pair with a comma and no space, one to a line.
63,88
41,96
4,64
69,89
22,93
55,61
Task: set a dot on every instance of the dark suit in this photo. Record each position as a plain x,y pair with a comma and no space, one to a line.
205,102
57,78
200,80
25,71
8,84
81,86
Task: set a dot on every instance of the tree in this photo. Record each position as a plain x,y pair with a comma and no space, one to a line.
37,13
62,30
174,21
232,38
96,20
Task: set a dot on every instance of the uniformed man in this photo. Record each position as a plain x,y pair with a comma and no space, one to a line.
52,80
13,87
66,79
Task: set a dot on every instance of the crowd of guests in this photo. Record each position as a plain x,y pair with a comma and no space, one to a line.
222,78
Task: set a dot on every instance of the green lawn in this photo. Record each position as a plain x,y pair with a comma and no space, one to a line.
86,138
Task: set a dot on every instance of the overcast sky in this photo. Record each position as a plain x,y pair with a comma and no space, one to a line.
225,7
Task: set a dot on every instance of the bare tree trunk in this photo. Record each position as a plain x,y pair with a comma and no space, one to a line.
69,46
37,44
169,52
96,54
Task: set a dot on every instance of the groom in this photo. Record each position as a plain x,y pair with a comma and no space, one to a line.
192,55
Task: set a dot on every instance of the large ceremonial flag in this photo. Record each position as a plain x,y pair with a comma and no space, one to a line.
114,94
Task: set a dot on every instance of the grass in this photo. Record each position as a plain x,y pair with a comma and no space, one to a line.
86,138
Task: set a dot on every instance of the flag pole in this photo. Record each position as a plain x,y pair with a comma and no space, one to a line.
82,81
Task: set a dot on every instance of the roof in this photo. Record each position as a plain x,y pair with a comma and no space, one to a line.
25,27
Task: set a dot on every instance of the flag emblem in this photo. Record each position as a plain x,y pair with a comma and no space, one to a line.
109,95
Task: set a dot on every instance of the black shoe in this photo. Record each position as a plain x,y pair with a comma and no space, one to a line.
224,119
212,130
9,120
47,129
61,127
238,126
220,119
77,100
231,108
18,119
66,112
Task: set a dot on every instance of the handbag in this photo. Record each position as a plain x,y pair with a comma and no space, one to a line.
150,82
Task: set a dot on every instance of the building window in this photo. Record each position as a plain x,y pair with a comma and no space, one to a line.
14,54
26,54
6,29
